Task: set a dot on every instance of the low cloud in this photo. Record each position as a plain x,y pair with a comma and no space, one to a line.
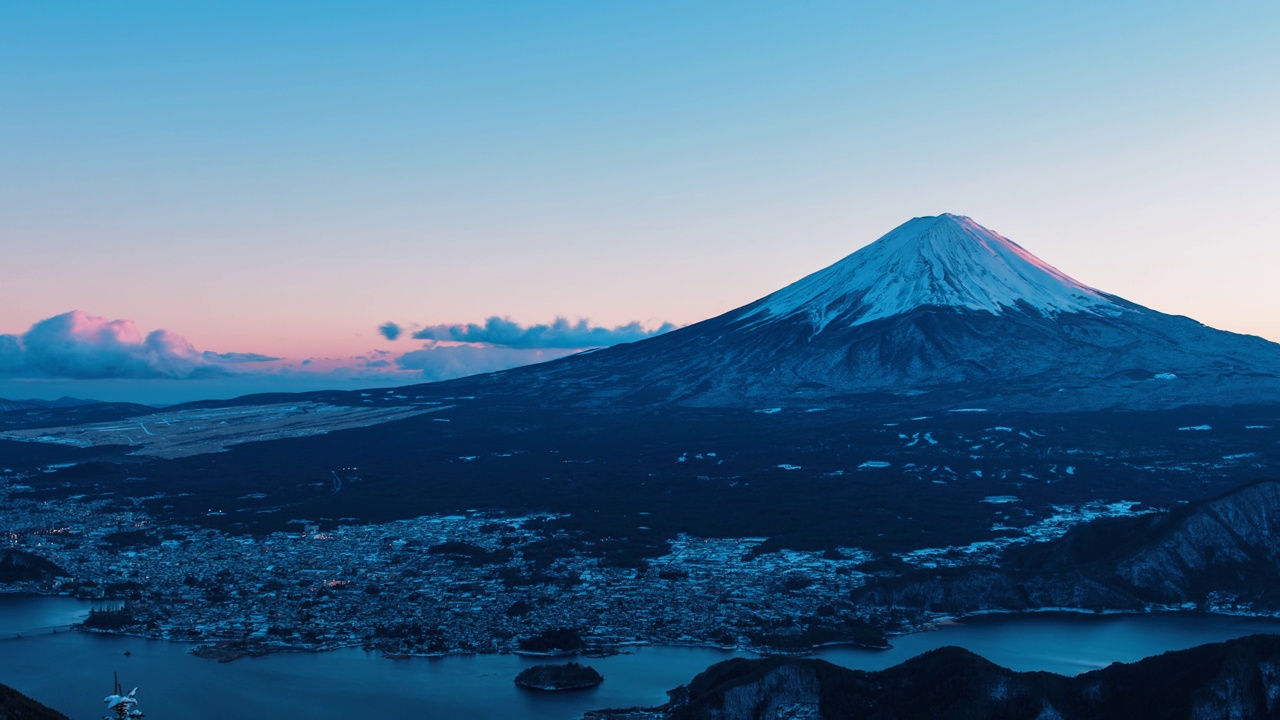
390,331
445,362
237,357
80,350
500,343
559,334
78,345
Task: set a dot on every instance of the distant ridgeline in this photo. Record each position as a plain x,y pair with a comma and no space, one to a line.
1236,679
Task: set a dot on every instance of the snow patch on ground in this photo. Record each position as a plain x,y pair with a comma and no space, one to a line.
987,552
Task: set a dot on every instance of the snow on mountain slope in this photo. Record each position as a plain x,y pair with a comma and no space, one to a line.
947,260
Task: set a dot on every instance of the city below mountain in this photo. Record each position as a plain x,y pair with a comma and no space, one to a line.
940,424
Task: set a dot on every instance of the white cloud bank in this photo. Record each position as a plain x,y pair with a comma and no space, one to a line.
84,355
78,345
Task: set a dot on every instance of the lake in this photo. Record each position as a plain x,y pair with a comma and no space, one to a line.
71,671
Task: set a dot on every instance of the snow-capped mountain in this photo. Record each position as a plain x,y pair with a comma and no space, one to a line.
945,261
939,311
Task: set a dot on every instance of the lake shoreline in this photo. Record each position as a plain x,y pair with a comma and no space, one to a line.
225,650
336,683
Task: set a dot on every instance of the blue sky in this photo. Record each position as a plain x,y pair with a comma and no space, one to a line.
283,178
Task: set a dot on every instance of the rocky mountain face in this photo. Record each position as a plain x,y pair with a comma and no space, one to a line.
1235,679
939,311
1220,553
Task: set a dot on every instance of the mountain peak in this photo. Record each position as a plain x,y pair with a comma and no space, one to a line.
943,260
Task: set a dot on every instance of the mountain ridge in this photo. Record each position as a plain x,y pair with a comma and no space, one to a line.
1221,553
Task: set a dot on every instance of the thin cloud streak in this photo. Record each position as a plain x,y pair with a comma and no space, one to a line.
445,362
558,334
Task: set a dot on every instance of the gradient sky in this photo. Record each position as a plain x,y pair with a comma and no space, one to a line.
282,180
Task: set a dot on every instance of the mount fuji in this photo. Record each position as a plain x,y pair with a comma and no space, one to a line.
941,311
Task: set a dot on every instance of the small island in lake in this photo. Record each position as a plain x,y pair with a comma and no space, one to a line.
569,676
